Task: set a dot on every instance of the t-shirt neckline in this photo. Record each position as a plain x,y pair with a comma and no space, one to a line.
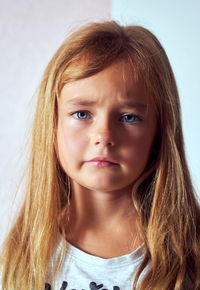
120,261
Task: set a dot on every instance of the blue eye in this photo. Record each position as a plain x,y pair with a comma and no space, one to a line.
130,118
82,115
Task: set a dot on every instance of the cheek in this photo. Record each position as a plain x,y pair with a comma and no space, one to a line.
136,152
70,144
138,148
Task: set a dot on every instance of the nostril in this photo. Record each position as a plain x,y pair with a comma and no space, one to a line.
104,143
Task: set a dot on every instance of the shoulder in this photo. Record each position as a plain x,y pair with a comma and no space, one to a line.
56,261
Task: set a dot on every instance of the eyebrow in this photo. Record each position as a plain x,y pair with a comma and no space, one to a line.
126,104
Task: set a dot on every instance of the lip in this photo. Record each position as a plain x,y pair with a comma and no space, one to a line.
102,162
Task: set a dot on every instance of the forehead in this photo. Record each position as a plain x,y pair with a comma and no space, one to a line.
117,81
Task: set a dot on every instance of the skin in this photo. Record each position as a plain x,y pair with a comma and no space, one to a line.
94,120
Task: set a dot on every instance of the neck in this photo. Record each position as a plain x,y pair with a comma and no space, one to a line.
102,216
100,208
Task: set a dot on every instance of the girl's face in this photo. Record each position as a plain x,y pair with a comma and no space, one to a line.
105,130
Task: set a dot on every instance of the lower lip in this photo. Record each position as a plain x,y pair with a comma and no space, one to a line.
102,164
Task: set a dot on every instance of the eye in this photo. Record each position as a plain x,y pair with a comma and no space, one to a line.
130,118
82,115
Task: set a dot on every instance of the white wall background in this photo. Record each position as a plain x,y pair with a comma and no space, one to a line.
30,33
177,25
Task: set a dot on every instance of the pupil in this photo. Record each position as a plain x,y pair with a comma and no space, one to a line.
82,114
129,117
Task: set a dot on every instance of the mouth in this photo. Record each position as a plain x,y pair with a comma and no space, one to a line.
102,162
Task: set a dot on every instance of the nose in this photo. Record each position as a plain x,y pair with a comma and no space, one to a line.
103,134
104,139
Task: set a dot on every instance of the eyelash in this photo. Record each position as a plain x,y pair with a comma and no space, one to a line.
136,117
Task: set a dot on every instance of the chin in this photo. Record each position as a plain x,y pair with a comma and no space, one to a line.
107,187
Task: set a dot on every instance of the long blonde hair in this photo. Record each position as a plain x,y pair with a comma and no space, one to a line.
168,211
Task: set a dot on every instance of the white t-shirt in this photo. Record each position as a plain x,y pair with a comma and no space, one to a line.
82,271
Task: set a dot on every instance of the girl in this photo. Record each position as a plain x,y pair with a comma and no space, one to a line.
109,201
